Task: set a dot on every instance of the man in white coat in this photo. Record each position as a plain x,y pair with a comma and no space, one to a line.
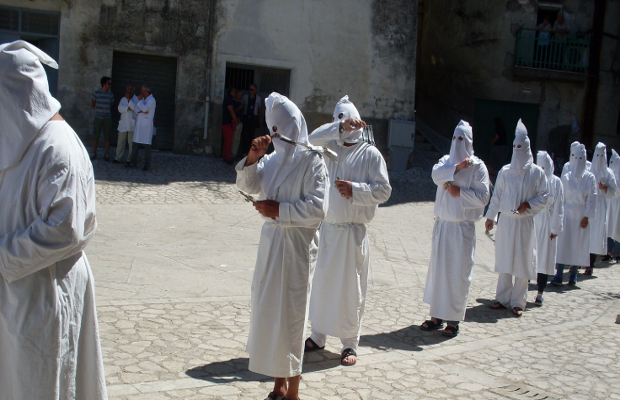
463,191
49,339
520,193
579,208
143,133
606,189
549,223
358,183
127,123
613,213
291,183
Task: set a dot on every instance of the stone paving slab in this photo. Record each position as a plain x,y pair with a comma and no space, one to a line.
173,260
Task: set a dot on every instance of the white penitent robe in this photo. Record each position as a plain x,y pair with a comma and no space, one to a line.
340,279
515,240
549,221
598,224
285,263
128,114
49,340
451,266
579,202
143,131
613,205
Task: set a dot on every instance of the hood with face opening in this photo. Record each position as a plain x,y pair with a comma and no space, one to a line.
543,160
580,161
462,145
521,153
283,116
599,161
346,109
614,163
26,103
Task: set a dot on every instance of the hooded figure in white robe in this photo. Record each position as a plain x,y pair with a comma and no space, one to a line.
613,205
567,165
551,219
49,338
451,266
579,203
605,189
341,276
520,193
287,250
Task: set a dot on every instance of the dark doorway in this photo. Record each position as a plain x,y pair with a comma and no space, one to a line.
158,72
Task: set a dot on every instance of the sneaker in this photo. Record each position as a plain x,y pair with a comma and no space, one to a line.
106,157
572,281
539,299
617,259
607,258
556,282
93,157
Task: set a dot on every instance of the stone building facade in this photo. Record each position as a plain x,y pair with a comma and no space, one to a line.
187,50
470,67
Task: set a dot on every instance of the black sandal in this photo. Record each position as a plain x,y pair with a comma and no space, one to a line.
346,353
273,396
450,331
432,325
315,347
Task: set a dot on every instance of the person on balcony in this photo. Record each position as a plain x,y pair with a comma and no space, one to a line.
561,31
543,43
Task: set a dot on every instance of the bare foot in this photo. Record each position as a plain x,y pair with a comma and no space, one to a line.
349,360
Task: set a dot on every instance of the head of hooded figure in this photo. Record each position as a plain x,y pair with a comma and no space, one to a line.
580,160
284,118
614,163
26,103
521,152
544,161
572,158
599,159
462,146
344,110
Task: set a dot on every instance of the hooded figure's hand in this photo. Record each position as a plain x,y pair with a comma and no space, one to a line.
258,149
353,124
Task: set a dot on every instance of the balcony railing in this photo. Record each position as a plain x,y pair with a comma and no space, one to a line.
552,50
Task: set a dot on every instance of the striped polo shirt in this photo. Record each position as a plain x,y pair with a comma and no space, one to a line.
103,102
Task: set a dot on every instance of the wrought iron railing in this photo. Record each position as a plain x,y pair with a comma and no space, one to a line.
552,50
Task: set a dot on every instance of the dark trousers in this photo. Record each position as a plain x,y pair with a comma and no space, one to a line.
542,282
133,158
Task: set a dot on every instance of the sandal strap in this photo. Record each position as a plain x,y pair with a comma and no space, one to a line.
347,352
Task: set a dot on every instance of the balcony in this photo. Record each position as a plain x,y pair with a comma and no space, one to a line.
549,55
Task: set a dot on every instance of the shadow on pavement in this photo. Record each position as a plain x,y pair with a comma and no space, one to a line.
411,338
483,314
236,370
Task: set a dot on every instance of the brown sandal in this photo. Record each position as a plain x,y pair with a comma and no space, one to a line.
518,311
496,305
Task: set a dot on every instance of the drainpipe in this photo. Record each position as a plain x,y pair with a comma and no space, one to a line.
210,30
594,66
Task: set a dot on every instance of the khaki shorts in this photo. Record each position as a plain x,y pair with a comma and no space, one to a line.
102,123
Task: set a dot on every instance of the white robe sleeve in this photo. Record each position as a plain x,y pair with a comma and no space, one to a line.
612,185
247,177
123,105
378,189
557,215
542,192
497,196
66,222
590,208
442,172
325,134
478,195
145,106
312,208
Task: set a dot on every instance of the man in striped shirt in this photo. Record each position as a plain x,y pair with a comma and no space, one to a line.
102,101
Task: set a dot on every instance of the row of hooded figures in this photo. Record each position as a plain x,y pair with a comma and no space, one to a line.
316,194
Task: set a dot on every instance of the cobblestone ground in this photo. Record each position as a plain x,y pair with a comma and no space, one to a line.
173,261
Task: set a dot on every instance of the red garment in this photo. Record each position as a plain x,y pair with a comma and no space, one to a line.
227,133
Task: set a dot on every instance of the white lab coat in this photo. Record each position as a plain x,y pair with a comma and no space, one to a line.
598,229
549,221
143,131
128,115
515,240
285,263
451,267
341,276
49,340
579,202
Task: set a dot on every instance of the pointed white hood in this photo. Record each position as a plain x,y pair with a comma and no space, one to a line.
580,161
346,109
462,145
599,161
614,164
572,158
543,160
26,104
283,116
521,152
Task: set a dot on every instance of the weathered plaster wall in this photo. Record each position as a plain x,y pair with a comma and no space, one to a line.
467,54
92,29
365,49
